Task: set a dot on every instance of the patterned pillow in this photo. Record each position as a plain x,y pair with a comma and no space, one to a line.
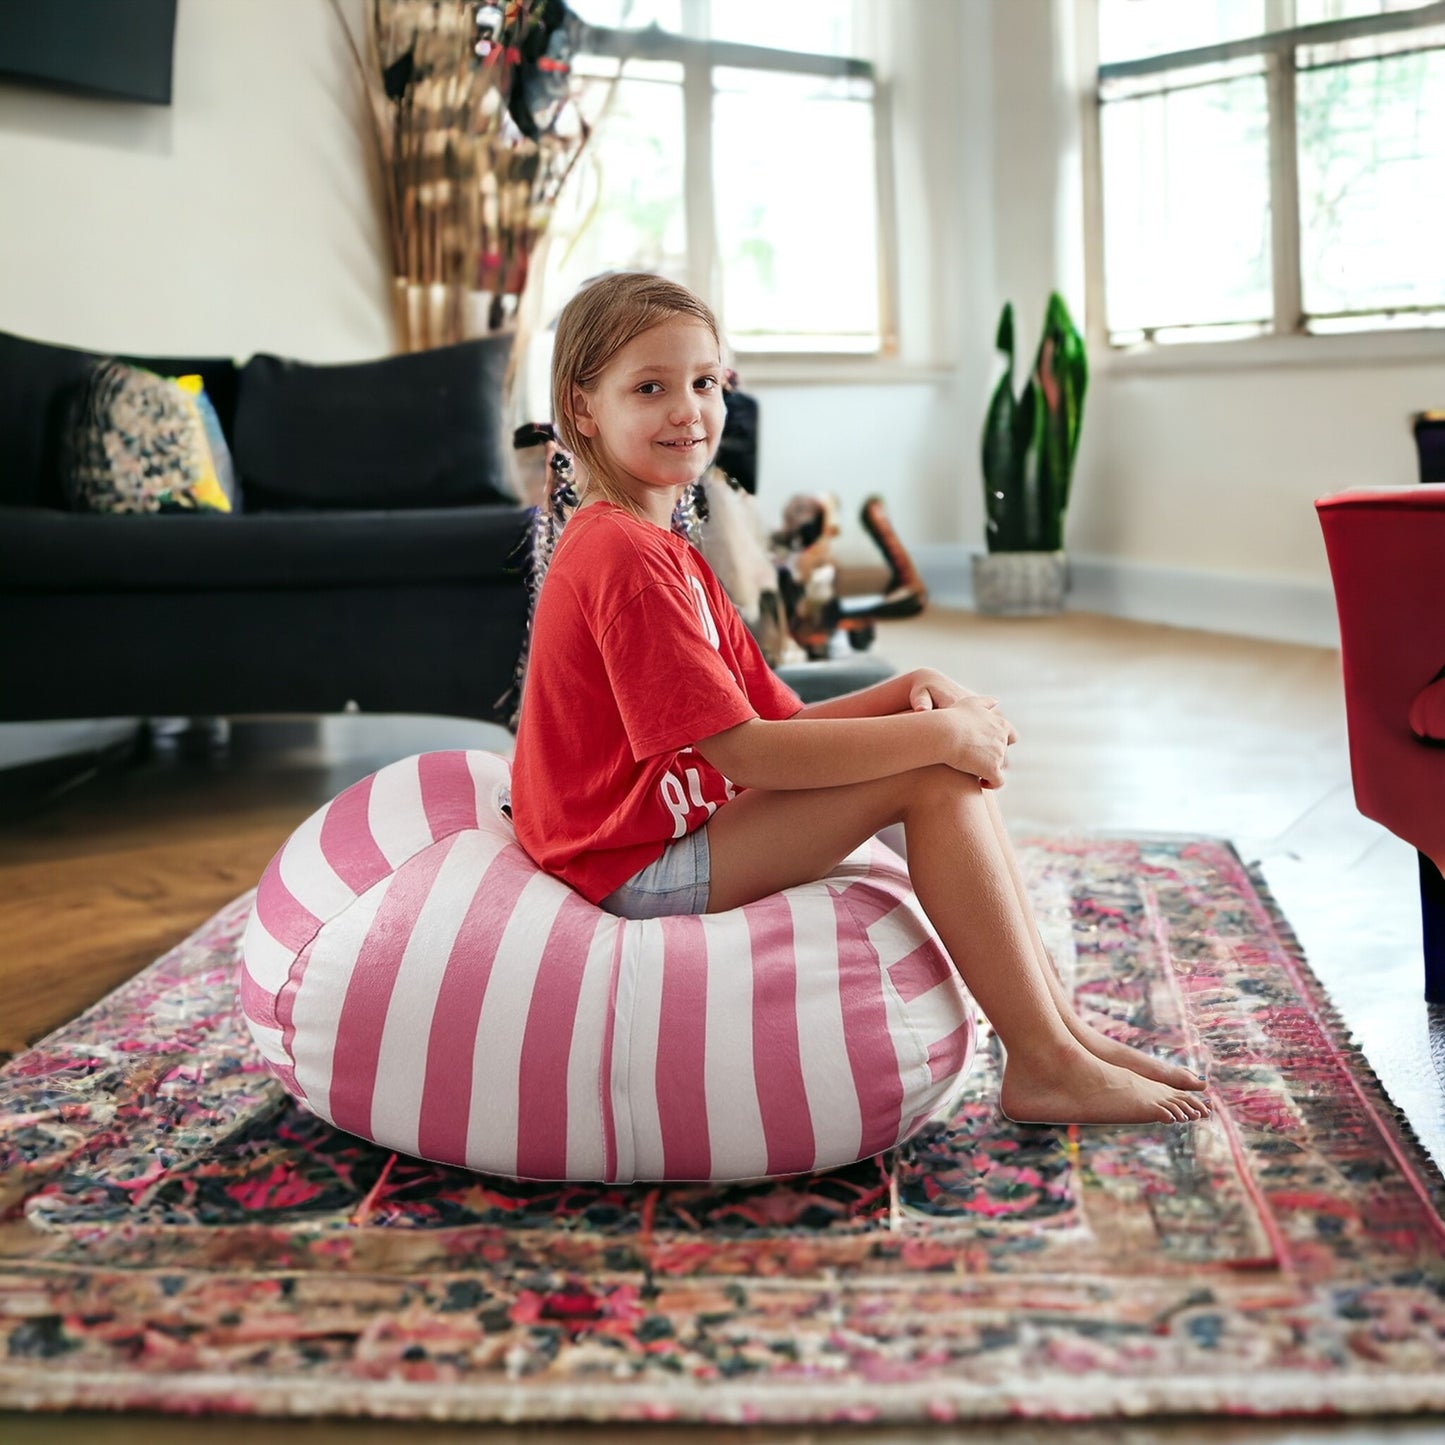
137,442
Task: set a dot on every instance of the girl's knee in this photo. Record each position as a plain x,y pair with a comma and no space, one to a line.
935,785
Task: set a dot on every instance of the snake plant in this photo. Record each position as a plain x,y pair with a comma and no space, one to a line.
1029,442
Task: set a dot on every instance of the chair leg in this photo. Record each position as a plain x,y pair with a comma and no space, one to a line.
1432,917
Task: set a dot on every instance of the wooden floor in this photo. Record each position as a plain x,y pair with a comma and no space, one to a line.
1124,727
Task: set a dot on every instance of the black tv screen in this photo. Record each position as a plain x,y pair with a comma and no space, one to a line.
116,48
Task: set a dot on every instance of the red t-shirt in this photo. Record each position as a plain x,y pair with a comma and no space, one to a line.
636,654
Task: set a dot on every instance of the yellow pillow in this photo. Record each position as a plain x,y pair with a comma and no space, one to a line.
137,442
217,485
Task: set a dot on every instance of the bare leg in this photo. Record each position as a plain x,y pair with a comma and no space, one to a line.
1097,1043
762,842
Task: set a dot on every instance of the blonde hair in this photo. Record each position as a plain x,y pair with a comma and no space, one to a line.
594,326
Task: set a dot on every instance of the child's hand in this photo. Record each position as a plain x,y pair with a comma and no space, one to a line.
931,689
977,737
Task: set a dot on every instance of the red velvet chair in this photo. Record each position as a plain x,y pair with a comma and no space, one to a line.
1386,549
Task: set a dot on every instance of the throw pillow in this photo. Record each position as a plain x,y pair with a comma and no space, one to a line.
222,477
137,442
420,430
38,381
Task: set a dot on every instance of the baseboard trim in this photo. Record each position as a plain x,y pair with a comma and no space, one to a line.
1231,602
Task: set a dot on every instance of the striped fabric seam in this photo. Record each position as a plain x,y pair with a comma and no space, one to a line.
444,1111
604,1071
880,1091
361,1023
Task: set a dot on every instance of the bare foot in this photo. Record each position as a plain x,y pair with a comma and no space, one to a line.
1111,1050
1089,1090
1135,1060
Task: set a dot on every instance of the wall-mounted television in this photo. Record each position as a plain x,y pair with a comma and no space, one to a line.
116,48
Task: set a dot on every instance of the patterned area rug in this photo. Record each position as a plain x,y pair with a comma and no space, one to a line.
177,1235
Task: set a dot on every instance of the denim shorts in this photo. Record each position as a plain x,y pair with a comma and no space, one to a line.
676,883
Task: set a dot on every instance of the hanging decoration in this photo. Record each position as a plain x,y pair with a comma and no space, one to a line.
475,119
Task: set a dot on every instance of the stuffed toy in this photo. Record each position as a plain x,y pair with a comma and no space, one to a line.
807,575
731,538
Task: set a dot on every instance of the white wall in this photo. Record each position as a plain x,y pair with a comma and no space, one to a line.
237,219
1218,470
856,440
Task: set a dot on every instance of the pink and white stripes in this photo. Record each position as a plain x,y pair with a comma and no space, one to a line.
412,977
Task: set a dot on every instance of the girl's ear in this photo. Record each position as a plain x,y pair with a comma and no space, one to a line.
582,417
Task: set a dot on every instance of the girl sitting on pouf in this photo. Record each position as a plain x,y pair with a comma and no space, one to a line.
662,768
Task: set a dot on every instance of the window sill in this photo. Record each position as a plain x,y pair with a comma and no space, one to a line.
1362,348
817,369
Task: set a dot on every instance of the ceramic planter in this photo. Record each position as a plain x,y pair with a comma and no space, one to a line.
1019,584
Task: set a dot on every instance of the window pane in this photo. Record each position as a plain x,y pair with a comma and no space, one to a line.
1372,205
630,14
622,208
1315,12
1132,29
822,26
1179,77
794,169
1186,197
1404,41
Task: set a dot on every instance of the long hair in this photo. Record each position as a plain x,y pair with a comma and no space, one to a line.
593,327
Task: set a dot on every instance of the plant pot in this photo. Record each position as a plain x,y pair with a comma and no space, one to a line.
1020,584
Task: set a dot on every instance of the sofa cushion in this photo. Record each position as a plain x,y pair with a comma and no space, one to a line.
47,551
138,442
418,430
37,387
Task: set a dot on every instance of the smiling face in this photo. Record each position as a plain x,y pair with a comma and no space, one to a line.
656,413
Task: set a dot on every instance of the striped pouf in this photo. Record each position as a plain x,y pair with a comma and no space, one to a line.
411,976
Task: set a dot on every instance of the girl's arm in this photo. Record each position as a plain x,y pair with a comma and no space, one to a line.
903,693
808,751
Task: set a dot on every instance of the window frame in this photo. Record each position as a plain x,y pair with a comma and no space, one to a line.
1288,342
698,58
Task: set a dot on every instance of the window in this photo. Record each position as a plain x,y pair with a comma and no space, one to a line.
736,151
1271,167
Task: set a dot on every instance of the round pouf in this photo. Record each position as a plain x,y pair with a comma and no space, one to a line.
411,976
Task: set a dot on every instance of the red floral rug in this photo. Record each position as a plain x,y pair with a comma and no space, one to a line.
177,1235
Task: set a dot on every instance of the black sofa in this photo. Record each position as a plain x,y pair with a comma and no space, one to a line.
376,562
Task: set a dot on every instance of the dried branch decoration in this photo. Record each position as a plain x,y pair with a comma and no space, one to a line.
476,130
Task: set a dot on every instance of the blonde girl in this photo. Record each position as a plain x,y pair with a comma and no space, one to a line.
662,767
